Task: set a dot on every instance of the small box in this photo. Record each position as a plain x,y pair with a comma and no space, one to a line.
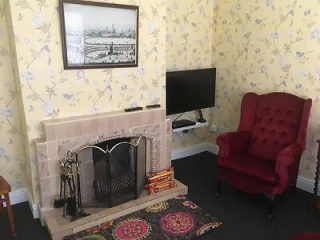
159,181
160,176
158,187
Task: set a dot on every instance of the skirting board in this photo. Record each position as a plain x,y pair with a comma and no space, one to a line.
19,196
33,206
23,195
194,149
303,183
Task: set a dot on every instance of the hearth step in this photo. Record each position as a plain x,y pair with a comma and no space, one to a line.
58,226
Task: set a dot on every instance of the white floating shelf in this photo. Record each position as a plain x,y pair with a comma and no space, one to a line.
197,125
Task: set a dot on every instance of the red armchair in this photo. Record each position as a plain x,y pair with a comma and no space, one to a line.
263,155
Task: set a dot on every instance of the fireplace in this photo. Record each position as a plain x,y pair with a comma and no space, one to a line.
72,134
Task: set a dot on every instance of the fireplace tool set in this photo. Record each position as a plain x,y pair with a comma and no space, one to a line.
70,197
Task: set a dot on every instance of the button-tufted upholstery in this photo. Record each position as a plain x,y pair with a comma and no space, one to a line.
263,155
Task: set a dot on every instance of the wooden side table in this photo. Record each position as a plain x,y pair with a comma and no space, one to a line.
316,198
5,188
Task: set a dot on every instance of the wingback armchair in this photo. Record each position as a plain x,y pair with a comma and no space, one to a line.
263,155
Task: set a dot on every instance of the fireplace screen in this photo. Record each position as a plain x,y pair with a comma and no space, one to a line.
107,173
118,171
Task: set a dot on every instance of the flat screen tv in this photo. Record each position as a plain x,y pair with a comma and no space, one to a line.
190,90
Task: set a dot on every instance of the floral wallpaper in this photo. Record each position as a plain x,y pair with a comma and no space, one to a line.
264,46
50,92
189,30
12,158
189,34
258,46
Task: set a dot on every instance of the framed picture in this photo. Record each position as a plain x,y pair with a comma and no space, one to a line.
98,35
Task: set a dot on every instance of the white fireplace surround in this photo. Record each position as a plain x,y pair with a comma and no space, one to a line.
66,134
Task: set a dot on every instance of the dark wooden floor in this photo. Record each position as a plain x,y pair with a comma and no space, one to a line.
27,228
244,216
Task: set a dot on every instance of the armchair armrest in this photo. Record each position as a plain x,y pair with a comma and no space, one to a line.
287,164
289,155
233,143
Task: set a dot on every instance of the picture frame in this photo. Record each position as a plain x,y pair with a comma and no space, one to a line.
98,35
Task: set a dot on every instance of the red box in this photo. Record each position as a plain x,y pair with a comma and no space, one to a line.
160,186
160,176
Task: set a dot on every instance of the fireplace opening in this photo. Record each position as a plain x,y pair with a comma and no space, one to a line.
104,174
119,168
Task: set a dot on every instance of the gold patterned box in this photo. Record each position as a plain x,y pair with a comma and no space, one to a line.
164,175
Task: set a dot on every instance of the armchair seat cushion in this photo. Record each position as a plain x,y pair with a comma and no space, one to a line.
256,168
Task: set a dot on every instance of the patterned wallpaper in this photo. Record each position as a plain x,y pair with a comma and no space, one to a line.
189,34
256,46
49,91
265,46
189,30
12,159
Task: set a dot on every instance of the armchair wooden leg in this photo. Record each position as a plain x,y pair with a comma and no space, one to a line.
1,204
271,206
218,188
294,186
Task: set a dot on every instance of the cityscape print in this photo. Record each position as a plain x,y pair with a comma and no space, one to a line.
100,35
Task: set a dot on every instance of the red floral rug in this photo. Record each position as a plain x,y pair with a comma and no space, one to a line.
177,218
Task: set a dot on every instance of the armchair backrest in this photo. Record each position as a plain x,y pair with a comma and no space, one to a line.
275,121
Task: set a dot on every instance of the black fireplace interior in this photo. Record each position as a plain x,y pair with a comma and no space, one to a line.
102,175
119,167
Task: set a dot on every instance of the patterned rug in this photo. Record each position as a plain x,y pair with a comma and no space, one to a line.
177,218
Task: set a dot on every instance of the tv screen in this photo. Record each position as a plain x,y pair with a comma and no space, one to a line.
190,90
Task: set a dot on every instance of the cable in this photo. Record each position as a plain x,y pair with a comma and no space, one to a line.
177,117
